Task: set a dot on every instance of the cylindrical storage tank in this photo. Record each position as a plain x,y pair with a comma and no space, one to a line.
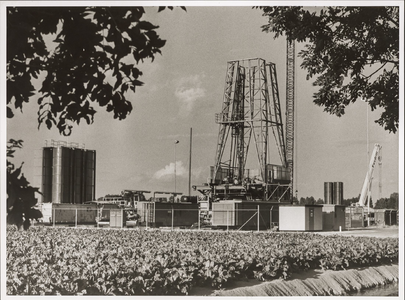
338,193
89,175
328,192
57,176
66,178
78,191
47,160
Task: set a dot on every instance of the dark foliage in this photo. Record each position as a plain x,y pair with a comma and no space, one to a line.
353,53
388,203
21,199
93,59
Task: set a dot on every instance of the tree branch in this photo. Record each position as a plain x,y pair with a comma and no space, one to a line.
376,71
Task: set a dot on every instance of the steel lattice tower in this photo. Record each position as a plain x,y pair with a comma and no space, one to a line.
290,89
250,107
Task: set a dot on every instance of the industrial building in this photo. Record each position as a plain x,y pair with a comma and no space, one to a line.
246,215
333,217
301,218
164,214
68,173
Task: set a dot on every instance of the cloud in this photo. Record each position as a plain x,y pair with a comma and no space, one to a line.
167,172
188,91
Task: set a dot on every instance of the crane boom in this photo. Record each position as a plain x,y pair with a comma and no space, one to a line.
369,175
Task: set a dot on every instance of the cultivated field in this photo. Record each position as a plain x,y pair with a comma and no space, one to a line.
77,261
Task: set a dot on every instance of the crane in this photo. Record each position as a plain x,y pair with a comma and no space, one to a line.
366,190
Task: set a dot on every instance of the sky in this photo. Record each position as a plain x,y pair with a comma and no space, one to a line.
183,88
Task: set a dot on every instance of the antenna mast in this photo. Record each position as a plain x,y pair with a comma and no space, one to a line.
290,112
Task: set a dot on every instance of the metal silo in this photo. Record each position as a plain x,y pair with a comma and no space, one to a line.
78,177
47,160
90,175
328,192
338,193
57,175
66,175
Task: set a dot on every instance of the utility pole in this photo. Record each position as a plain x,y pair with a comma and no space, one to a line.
175,163
189,163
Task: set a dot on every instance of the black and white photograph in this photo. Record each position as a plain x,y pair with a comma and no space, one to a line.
202,148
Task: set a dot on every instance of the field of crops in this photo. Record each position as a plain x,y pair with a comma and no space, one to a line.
68,261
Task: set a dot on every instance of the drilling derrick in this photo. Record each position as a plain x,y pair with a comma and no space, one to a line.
250,107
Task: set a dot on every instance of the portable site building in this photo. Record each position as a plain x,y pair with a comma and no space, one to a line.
354,216
386,217
245,215
65,213
333,217
164,214
300,218
117,218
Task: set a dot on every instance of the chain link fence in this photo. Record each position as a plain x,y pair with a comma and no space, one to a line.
168,217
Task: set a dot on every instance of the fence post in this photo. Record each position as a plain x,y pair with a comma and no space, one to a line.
147,214
199,214
122,218
53,219
258,218
172,217
271,218
227,220
76,218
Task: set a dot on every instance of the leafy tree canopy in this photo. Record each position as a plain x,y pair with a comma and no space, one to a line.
349,201
93,59
319,201
21,199
388,203
352,51
307,201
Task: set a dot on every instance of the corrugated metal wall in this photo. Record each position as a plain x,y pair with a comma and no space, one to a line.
57,175
328,192
47,157
338,193
333,193
90,175
68,175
